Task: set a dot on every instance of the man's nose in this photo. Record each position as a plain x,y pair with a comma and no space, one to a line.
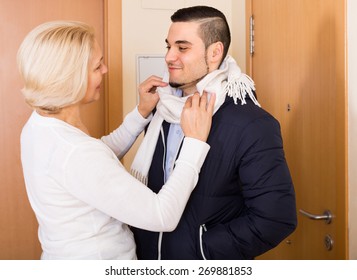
171,56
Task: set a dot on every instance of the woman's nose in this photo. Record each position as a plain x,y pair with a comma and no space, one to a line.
104,69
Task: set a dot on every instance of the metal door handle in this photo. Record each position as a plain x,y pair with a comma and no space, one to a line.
327,216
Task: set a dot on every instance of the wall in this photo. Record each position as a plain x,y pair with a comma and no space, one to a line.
238,49
352,128
145,26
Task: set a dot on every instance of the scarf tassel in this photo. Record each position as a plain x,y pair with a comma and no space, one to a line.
138,175
238,87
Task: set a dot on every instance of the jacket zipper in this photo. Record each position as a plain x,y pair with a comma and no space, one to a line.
159,242
202,229
164,170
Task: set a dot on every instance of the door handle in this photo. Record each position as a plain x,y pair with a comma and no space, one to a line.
327,216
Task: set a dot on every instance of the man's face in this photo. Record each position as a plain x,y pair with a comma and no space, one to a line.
186,56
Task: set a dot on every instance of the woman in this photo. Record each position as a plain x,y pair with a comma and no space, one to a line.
81,194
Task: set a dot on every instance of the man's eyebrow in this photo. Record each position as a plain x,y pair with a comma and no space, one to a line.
179,42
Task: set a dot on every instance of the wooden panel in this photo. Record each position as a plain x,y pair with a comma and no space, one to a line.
18,226
299,69
113,80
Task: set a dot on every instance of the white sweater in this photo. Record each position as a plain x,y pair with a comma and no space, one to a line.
83,197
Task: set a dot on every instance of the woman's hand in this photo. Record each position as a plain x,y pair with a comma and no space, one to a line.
148,96
196,116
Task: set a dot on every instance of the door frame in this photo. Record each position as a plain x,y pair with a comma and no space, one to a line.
113,81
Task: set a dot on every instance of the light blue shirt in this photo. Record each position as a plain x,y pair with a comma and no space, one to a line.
174,140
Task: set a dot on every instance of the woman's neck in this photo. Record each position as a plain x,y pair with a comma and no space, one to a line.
70,115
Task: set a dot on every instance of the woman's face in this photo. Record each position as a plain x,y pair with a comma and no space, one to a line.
96,70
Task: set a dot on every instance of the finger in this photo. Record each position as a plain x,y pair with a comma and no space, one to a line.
188,103
157,80
196,100
151,83
153,89
203,101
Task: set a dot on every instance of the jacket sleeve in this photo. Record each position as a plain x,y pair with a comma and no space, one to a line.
269,214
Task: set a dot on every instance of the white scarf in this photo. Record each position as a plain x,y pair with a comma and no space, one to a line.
227,80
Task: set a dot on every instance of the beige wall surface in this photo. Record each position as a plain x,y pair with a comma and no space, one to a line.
145,26
352,127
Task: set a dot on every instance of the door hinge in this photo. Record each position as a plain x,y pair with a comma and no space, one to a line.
251,35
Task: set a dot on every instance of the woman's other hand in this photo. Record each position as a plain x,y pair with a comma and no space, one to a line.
196,116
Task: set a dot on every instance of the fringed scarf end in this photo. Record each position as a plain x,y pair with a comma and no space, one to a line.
238,87
143,179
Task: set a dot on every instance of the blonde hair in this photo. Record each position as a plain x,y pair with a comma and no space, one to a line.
53,62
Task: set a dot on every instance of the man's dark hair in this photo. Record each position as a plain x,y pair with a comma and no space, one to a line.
214,26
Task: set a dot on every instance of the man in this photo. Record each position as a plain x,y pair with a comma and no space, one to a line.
244,202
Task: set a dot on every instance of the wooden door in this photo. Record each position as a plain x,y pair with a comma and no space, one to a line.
299,66
18,226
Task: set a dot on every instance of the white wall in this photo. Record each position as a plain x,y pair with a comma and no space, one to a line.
238,31
145,26
352,123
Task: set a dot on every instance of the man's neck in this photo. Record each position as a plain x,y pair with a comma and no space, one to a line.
191,90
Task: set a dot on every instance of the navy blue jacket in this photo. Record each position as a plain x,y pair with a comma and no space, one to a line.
244,202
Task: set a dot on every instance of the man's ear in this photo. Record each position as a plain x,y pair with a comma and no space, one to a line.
215,53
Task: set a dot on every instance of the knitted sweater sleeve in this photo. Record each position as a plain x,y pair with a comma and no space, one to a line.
94,175
122,138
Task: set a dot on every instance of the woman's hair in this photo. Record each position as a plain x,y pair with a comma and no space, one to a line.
53,62
213,28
